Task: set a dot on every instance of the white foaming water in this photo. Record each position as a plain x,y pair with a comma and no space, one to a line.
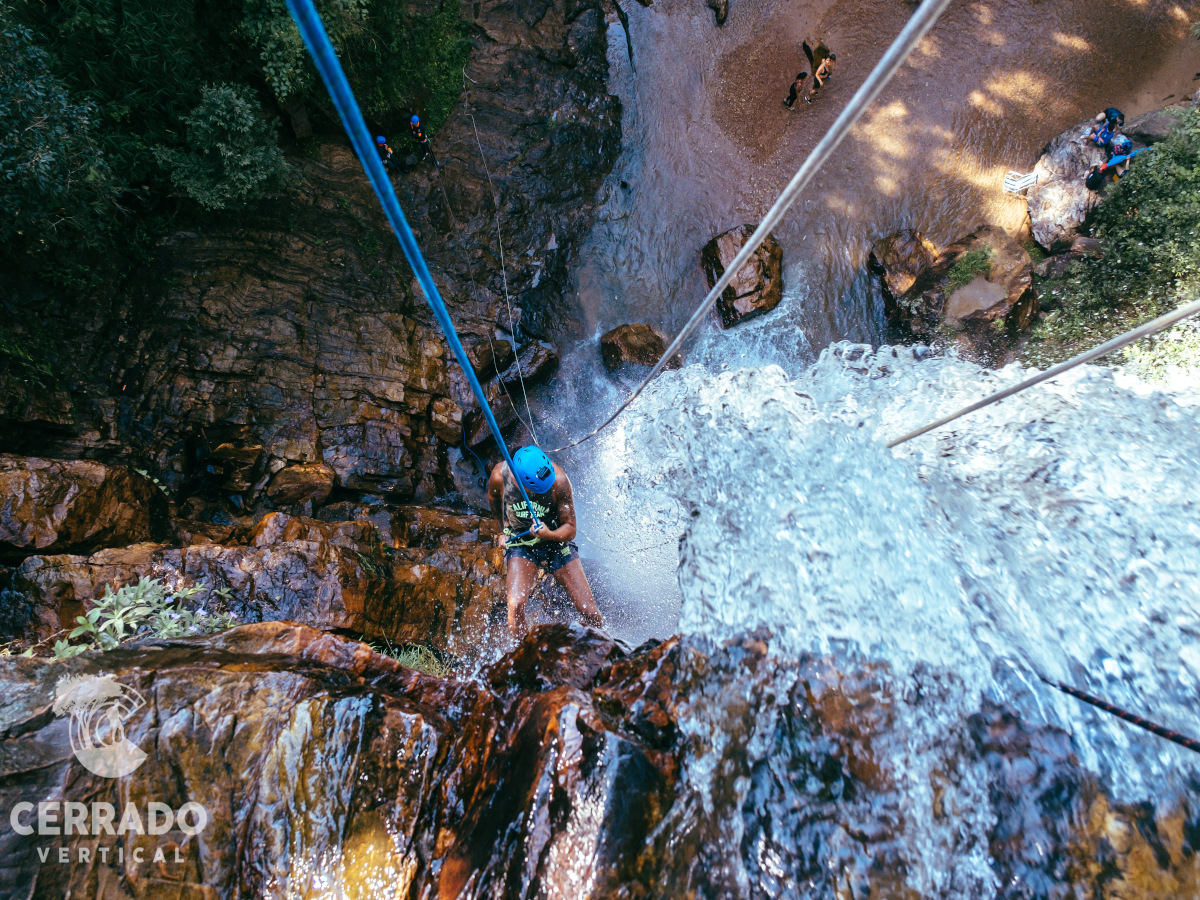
1055,533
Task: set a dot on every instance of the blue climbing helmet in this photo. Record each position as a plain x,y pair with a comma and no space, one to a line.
534,469
381,140
415,120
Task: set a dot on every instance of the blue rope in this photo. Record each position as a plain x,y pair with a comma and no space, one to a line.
323,54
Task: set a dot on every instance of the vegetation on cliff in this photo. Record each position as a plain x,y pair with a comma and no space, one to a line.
117,118
1148,224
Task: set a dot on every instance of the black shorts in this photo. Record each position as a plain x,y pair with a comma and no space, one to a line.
548,555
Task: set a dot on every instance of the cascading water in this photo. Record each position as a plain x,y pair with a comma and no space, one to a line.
749,500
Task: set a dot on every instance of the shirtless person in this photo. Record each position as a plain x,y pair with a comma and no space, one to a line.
549,545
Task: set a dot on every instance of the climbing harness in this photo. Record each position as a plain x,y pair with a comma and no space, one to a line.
319,46
1103,350
904,43
1173,736
512,325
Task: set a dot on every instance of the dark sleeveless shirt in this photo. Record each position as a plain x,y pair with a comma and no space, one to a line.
516,517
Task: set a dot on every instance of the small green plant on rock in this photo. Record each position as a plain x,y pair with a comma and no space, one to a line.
148,608
968,267
414,656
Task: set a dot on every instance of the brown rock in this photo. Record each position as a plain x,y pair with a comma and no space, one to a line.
1154,126
53,506
48,592
902,258
1005,292
490,357
754,290
1087,246
446,417
298,483
1054,266
639,344
538,361
1060,201
571,752
720,10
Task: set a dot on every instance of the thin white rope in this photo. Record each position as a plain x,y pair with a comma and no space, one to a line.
901,47
512,327
1103,350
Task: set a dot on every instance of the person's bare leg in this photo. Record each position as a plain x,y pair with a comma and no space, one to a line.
572,578
519,583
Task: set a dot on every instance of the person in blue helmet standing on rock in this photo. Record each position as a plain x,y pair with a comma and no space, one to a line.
418,134
385,152
548,544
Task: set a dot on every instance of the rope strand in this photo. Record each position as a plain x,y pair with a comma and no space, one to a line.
1103,350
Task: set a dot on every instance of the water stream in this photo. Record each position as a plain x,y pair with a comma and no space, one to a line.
1056,534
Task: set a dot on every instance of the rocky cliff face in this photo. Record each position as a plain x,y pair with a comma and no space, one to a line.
295,336
571,768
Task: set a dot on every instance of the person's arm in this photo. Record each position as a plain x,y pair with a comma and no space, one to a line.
496,498
565,501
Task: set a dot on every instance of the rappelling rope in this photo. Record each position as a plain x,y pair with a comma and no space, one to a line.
1103,350
512,324
1173,736
904,43
323,54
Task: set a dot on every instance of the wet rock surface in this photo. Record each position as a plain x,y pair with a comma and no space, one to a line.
571,767
758,286
441,584
639,344
982,315
64,506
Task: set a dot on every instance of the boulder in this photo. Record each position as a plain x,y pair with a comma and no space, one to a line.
74,506
1005,293
538,361
1154,126
982,314
300,483
1055,266
639,344
1060,201
757,288
489,357
901,258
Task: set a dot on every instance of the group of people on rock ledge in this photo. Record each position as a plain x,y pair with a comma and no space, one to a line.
822,63
387,155
1106,134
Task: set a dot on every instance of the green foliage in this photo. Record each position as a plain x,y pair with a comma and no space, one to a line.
1149,224
145,608
232,154
968,267
1172,355
54,181
414,656
24,358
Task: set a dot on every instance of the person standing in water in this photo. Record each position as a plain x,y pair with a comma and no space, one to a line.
549,545
797,90
821,74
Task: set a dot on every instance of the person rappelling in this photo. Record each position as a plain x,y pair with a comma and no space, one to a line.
418,134
543,540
